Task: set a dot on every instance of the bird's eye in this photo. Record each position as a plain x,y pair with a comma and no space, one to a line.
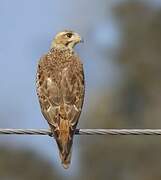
69,35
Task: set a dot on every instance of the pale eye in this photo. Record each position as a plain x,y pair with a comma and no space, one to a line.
69,35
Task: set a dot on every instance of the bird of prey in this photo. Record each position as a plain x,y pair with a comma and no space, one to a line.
60,89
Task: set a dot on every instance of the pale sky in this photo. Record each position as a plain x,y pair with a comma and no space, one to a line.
26,30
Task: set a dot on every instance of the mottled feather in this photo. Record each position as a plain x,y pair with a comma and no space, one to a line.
60,88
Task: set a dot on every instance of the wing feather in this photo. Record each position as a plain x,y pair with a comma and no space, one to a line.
60,88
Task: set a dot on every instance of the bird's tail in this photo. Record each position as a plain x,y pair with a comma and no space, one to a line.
64,140
65,158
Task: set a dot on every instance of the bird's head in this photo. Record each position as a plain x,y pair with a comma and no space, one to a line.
66,39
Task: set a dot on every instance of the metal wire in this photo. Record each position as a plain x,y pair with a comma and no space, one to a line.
84,132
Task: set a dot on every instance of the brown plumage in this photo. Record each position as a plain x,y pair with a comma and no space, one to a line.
60,89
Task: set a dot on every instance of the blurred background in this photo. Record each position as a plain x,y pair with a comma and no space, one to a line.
122,62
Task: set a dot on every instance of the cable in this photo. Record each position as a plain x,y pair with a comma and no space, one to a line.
84,131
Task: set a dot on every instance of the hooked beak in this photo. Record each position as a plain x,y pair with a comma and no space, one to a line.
78,38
